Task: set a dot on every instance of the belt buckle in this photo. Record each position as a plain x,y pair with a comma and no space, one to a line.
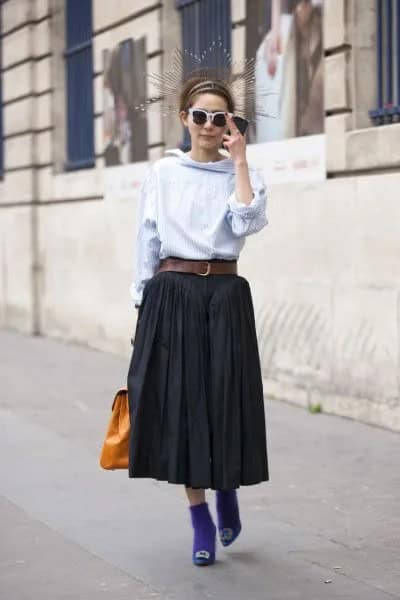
208,269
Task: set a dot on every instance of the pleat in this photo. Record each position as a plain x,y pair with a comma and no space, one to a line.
239,438
170,437
186,444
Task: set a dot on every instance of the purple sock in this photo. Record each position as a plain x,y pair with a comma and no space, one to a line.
204,534
229,525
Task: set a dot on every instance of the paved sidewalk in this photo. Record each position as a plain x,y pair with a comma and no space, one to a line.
331,512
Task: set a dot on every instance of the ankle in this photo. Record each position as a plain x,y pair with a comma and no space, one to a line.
226,498
197,503
227,507
200,514
225,494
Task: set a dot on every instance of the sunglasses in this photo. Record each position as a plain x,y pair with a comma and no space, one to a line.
200,116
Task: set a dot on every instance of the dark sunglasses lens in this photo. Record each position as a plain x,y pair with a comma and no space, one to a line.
219,120
199,117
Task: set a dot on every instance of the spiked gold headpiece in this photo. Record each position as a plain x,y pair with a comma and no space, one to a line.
239,77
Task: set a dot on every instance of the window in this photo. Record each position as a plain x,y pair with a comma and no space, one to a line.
79,84
1,102
204,22
388,62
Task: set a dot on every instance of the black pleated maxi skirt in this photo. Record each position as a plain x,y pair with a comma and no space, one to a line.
194,384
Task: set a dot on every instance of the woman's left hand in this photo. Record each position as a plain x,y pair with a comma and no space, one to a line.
235,143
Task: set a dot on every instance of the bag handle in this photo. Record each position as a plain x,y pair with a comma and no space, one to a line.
119,393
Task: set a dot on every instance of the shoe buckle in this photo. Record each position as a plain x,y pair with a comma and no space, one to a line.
202,554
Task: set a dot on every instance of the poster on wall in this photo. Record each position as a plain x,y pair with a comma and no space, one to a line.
285,36
124,86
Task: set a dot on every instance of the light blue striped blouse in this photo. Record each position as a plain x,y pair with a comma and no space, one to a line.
189,209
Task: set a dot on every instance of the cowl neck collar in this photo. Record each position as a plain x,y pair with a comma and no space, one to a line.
225,165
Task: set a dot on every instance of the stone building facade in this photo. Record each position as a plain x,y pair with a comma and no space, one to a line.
325,274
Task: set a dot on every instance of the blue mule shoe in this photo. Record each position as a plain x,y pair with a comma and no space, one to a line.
204,535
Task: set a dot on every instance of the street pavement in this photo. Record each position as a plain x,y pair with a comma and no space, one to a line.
327,525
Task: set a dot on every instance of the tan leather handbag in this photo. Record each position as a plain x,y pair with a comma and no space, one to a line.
115,451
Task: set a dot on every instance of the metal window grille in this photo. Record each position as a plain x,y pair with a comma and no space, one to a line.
388,62
202,23
79,84
1,101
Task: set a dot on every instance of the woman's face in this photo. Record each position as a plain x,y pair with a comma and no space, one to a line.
207,136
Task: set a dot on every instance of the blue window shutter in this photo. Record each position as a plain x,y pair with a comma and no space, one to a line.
204,22
1,99
388,62
79,84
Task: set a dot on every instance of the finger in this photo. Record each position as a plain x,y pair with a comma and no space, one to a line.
233,129
231,123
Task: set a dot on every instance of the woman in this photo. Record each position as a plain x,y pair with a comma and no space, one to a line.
194,383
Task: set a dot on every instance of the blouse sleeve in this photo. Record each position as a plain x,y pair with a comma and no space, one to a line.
245,219
147,238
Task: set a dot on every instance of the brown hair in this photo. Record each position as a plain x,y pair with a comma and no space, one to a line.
202,85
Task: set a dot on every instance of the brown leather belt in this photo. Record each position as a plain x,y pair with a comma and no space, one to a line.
199,267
